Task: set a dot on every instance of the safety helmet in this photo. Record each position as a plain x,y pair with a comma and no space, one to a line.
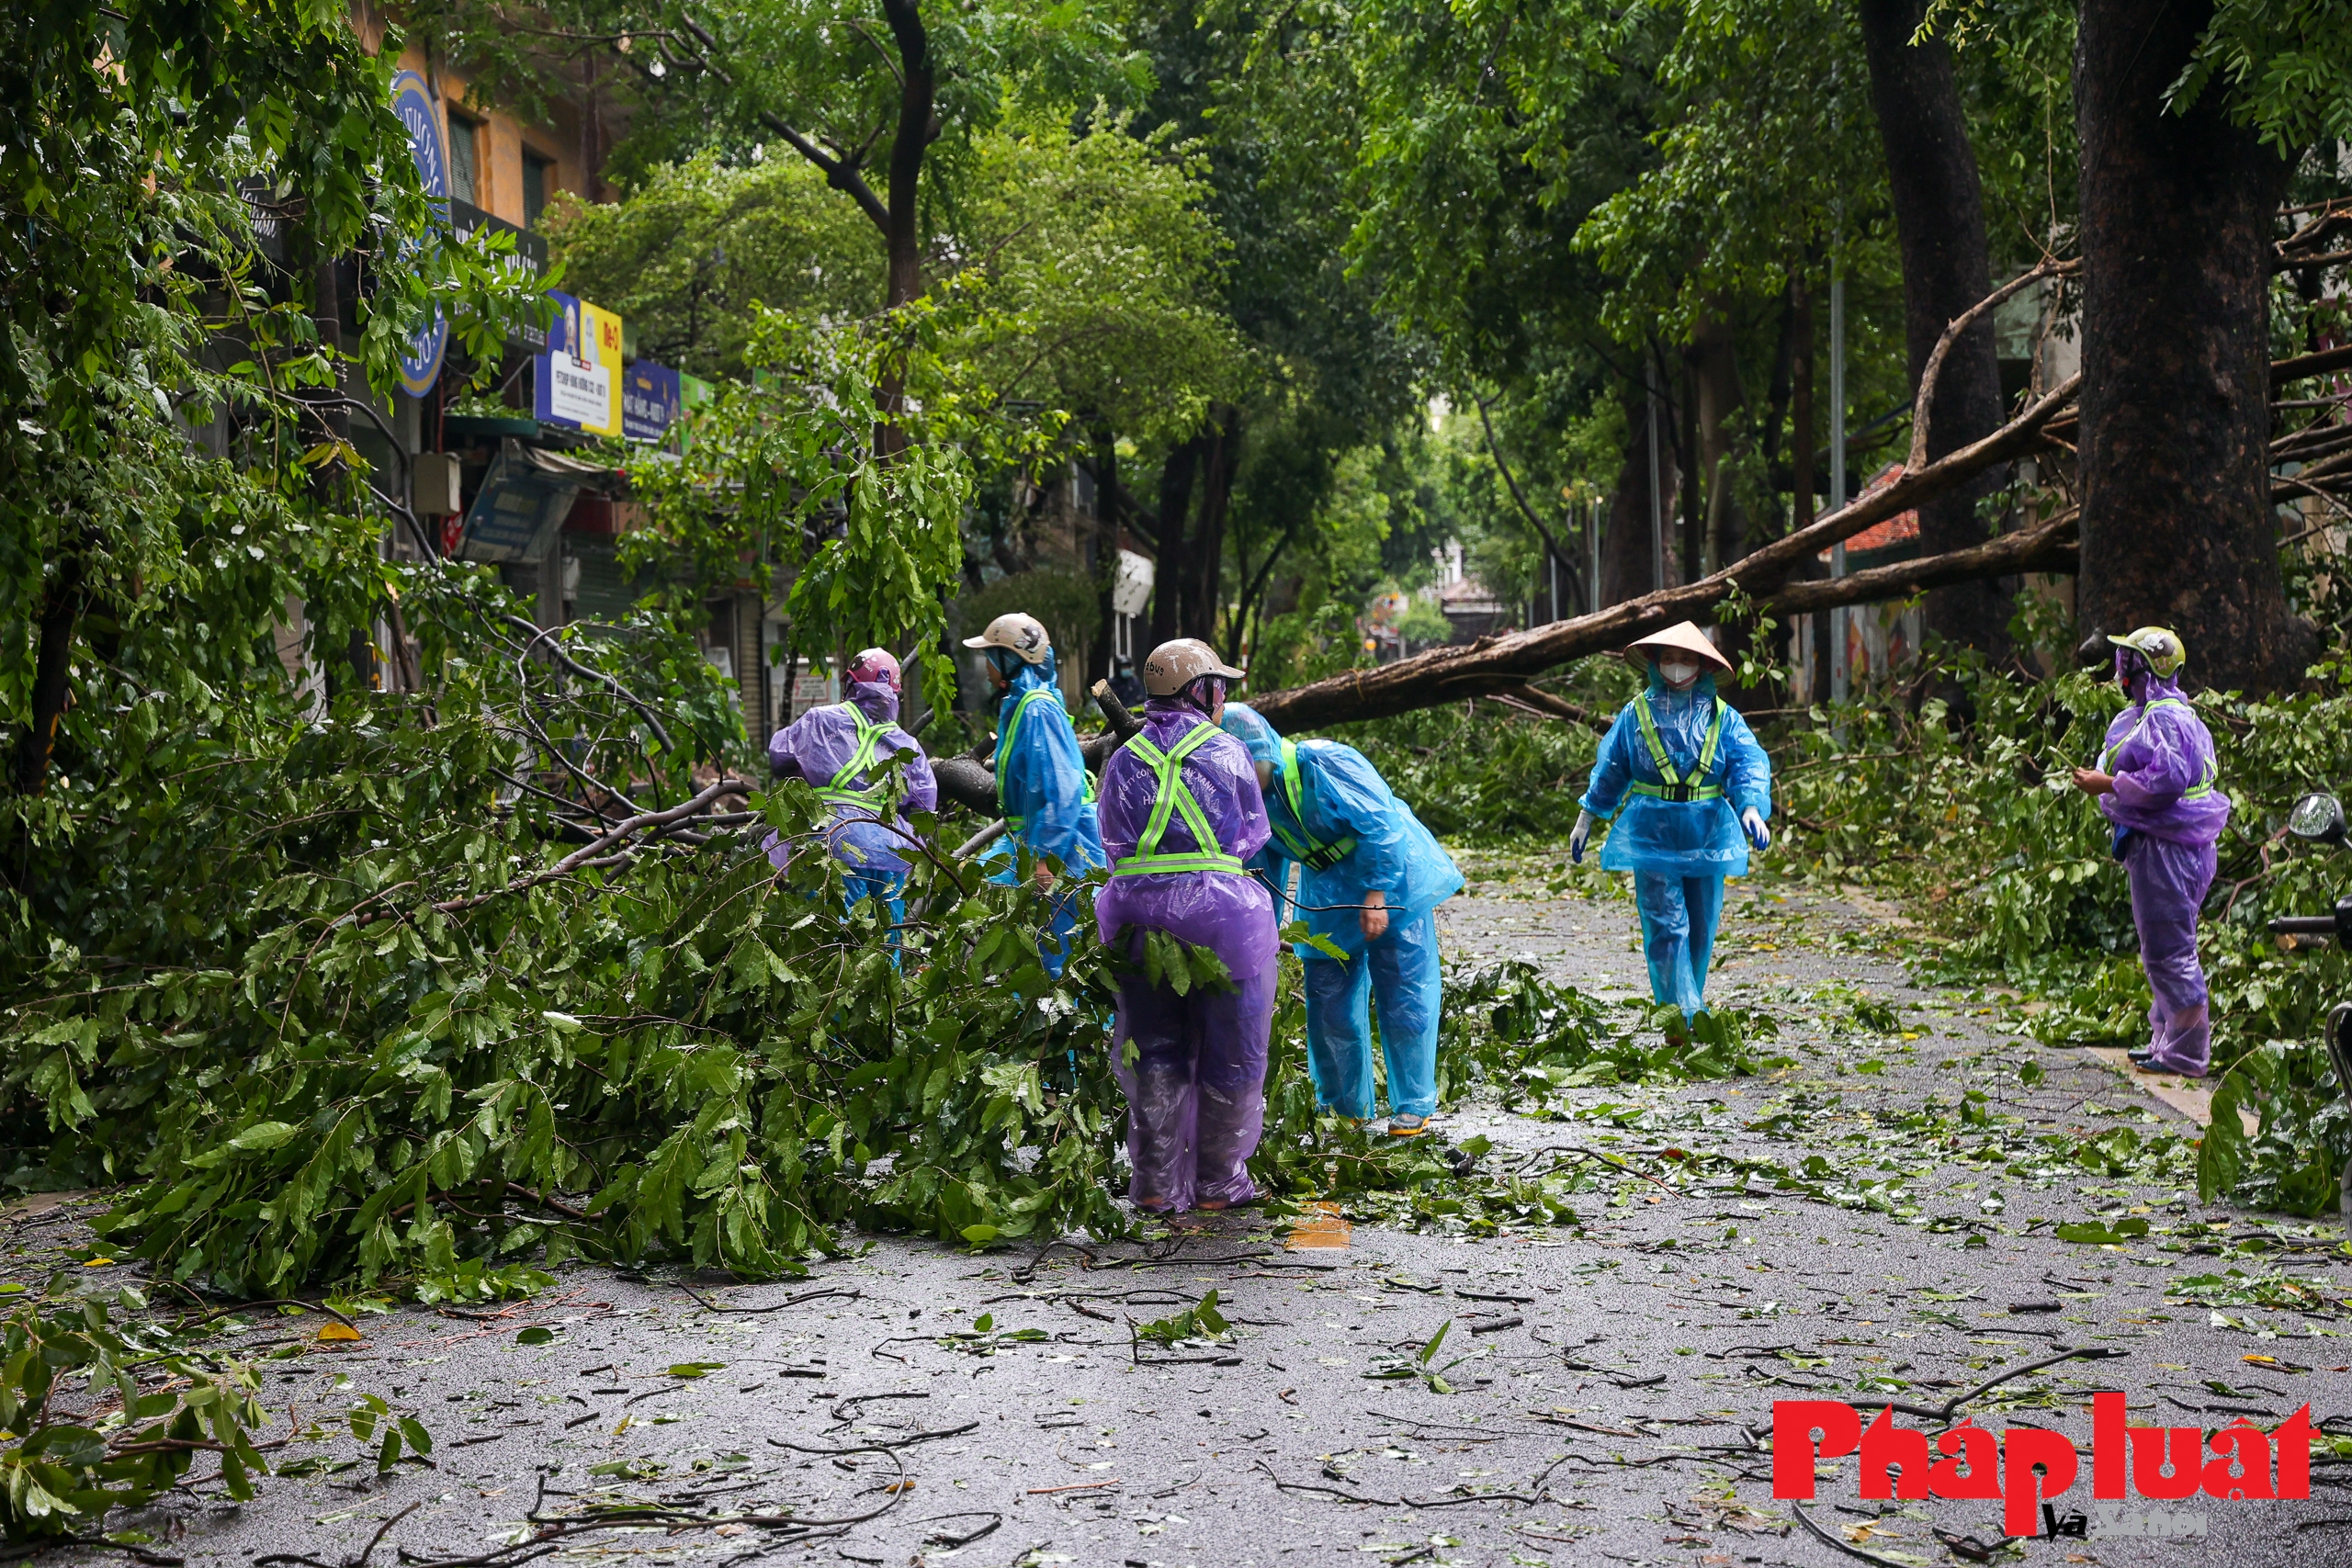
1023,634
875,666
2159,645
1172,666
1683,637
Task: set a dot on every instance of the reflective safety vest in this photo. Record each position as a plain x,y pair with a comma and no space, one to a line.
1012,822
1170,797
843,790
1676,787
1300,847
2197,790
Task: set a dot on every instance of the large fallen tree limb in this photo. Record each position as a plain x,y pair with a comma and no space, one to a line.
2047,546
1495,663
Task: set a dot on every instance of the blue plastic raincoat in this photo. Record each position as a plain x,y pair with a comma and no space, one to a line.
1341,832
1043,790
1680,835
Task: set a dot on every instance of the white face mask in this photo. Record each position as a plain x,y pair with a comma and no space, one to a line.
1677,672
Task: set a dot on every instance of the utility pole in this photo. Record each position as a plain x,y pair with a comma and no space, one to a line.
1841,678
1592,535
1657,514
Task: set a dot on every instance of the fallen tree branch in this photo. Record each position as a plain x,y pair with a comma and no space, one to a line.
1923,406
1449,674
2303,366
2046,547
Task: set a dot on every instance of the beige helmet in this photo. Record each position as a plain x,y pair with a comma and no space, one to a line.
1172,666
1023,634
2160,646
1683,637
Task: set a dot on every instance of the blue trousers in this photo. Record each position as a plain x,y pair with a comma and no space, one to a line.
887,887
1053,950
1399,975
1679,918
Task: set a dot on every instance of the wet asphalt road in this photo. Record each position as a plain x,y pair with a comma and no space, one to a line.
1611,1381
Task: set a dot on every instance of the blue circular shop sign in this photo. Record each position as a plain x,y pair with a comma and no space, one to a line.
421,117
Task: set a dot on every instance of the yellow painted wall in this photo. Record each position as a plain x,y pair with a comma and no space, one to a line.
506,137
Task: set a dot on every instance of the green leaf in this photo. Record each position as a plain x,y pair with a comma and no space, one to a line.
264,1135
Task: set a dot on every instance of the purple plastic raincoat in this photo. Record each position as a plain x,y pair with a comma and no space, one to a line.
1196,1091
818,744
2168,814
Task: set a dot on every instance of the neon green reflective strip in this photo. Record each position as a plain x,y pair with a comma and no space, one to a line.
1004,755
2197,790
1172,797
1302,848
1674,788
841,790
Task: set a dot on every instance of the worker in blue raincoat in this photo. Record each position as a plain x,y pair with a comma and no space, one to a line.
1688,791
1042,787
1368,877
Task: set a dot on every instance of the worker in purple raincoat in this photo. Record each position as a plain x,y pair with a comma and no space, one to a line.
2154,782
845,750
1180,814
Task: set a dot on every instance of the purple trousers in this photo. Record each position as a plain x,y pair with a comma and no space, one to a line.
1197,1094
2168,884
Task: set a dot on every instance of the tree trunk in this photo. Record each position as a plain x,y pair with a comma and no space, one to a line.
1626,572
1801,449
1220,456
2173,472
1175,536
918,127
1687,453
1939,223
327,481
1106,554
1714,358
60,611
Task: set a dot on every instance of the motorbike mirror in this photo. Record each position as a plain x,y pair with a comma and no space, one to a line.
2317,817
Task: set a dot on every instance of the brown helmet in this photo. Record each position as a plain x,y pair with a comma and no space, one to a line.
1016,632
1172,666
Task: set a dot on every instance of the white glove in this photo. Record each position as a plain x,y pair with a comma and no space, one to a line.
1757,834
1580,838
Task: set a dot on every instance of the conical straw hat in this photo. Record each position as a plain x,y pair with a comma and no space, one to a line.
1684,636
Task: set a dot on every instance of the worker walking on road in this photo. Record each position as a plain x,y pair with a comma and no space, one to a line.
1369,880
1689,792
845,749
1180,815
2155,783
1042,787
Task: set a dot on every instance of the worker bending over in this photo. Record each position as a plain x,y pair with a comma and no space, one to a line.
846,750
1688,791
1369,880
